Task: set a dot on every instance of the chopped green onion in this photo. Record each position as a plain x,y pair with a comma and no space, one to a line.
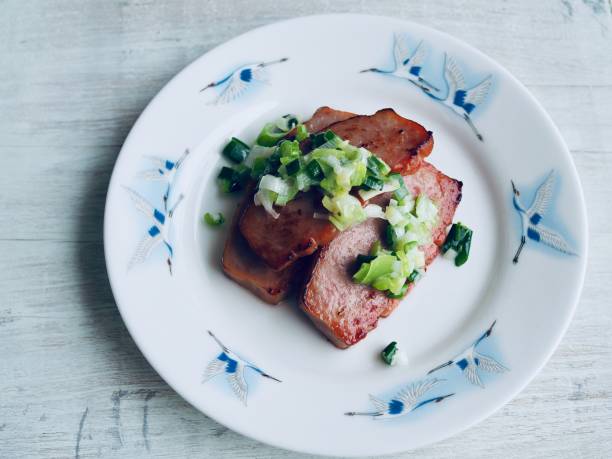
373,183
401,293
293,167
321,138
391,237
233,179
402,191
364,259
314,170
236,150
301,133
377,166
214,220
270,135
459,239
388,353
287,122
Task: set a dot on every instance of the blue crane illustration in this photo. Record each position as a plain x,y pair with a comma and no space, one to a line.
459,98
239,80
233,367
406,401
157,234
531,218
406,64
470,361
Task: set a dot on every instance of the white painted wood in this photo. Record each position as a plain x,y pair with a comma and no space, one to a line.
74,75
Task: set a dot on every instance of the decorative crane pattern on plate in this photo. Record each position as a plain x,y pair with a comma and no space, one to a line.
531,219
471,361
406,401
161,219
407,64
415,395
238,81
233,367
461,98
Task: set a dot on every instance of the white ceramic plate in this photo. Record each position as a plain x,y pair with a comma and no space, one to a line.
316,61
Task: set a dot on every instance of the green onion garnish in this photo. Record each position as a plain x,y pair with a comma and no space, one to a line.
390,236
270,135
401,293
364,259
319,139
293,167
373,183
233,179
459,239
314,170
214,220
377,167
236,150
388,353
301,133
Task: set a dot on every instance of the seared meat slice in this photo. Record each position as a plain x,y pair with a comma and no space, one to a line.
345,311
246,268
294,234
325,116
400,142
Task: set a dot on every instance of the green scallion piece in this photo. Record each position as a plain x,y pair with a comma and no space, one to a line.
293,167
214,220
388,352
314,170
459,239
361,259
236,150
377,167
233,179
270,135
391,237
301,133
373,183
401,293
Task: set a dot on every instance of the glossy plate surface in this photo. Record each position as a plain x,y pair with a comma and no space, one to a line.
164,264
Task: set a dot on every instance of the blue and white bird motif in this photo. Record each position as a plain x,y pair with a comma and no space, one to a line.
459,98
406,401
531,226
165,171
406,64
233,367
157,233
470,361
239,80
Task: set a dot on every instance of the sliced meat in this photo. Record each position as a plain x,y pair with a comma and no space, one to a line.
294,234
242,265
247,269
325,116
344,311
398,141
321,118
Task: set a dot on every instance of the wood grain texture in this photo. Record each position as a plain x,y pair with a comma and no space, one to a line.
74,76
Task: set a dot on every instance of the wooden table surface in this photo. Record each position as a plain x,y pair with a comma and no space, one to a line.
75,75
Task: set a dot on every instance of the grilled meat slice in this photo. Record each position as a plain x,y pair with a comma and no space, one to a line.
247,269
400,142
344,311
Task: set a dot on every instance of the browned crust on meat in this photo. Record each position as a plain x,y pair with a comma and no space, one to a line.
247,269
